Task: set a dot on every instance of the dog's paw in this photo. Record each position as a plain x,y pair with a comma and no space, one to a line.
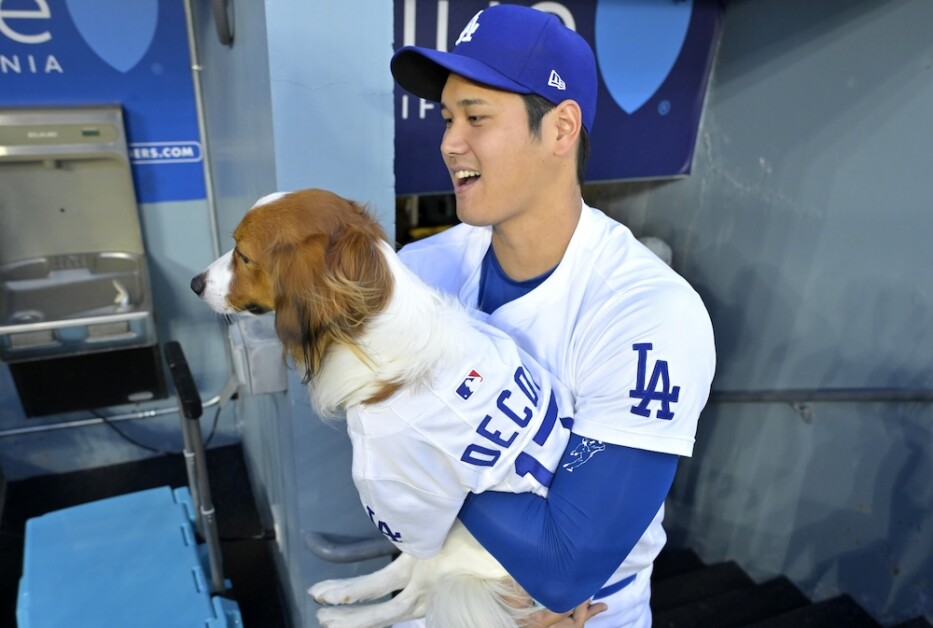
336,618
331,592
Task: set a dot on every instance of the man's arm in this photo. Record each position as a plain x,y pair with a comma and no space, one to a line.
563,549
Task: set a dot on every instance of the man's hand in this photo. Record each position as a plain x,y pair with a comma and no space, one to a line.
572,619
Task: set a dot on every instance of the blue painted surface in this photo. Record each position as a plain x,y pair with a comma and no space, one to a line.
108,51
637,44
120,33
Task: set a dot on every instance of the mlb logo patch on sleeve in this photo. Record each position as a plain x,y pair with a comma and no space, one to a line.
469,384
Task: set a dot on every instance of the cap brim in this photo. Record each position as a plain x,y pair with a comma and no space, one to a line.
424,72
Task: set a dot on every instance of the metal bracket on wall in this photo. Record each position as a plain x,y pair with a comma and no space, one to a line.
223,20
804,410
347,549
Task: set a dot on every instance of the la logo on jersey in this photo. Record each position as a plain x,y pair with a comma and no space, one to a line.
468,30
469,384
658,388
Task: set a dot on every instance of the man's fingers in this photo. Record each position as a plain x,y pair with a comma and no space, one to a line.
571,619
587,611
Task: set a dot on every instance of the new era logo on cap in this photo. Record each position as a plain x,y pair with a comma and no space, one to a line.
556,81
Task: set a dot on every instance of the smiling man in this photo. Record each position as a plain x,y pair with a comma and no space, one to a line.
629,336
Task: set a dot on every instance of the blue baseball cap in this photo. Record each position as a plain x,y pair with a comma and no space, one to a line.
509,47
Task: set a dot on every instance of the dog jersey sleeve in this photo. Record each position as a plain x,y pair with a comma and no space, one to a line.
416,521
564,548
408,487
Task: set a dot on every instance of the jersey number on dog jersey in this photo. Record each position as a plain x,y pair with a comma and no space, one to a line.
525,464
650,392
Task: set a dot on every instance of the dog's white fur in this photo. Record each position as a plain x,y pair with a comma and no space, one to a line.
419,328
462,586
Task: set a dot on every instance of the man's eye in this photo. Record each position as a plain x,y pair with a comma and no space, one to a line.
447,122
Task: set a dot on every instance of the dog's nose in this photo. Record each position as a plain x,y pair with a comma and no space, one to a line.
198,283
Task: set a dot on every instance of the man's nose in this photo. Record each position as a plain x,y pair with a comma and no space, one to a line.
452,143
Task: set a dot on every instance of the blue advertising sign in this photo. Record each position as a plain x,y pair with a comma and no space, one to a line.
654,59
130,52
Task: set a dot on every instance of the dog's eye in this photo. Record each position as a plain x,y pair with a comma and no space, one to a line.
243,258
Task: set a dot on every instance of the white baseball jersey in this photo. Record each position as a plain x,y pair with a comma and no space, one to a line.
629,337
494,420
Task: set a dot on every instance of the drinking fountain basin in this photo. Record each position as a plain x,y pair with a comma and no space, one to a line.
73,304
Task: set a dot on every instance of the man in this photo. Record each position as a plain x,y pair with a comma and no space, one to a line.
629,336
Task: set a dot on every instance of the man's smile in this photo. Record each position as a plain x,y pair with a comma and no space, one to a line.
465,178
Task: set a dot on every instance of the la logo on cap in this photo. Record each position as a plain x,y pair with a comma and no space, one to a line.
468,30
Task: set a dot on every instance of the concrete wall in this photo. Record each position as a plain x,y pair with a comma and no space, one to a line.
806,228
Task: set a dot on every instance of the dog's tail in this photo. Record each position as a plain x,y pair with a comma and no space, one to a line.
464,600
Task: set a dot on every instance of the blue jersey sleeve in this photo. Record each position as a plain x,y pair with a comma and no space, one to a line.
563,549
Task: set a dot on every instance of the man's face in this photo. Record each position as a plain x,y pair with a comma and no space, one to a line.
497,165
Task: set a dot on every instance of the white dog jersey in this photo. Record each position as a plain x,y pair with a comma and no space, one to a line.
494,420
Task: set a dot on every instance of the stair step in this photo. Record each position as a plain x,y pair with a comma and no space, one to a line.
735,608
838,611
698,585
916,622
673,562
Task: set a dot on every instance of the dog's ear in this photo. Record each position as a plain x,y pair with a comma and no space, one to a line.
296,272
357,271
326,290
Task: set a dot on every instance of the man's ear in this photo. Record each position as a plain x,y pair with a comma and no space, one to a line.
568,120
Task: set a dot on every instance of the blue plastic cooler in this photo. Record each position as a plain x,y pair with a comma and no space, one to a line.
131,560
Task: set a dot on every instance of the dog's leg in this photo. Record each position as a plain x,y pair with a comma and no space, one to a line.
406,605
391,578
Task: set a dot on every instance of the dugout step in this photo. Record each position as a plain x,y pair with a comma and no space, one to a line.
916,622
838,611
673,562
736,608
687,593
698,585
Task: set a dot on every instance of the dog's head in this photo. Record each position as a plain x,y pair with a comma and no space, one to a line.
314,259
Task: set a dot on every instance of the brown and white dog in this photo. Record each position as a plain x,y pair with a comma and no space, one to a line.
360,326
